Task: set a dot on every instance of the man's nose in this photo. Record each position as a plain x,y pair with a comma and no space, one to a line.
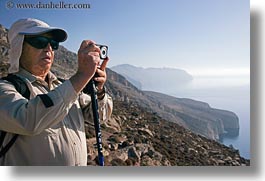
48,47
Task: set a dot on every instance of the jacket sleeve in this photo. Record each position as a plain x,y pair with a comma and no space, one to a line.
30,117
105,107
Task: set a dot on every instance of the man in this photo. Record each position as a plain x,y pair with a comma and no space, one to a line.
50,124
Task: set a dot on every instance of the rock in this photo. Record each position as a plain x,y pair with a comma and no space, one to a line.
146,131
120,154
112,124
118,162
132,153
192,151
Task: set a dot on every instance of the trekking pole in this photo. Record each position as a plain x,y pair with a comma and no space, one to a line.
94,101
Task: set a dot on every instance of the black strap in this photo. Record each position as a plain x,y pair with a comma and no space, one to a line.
60,79
9,144
3,134
19,84
46,100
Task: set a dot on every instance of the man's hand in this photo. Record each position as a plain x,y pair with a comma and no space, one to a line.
101,75
88,58
88,63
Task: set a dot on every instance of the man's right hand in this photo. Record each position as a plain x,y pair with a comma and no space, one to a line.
88,62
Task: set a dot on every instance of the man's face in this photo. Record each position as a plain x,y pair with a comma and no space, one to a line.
37,61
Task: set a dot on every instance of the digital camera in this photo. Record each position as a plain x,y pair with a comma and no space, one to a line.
103,51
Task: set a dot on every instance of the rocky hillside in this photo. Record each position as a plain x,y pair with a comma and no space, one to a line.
136,136
149,128
4,46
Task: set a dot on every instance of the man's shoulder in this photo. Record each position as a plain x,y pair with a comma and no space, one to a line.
17,82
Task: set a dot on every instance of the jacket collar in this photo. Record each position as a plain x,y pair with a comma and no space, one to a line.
32,78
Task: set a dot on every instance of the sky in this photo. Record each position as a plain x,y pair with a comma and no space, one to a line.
200,36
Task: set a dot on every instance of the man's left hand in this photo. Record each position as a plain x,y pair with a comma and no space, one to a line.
101,75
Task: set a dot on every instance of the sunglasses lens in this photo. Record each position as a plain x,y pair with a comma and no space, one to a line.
54,44
41,42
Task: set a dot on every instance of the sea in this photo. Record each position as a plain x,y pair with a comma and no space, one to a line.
227,93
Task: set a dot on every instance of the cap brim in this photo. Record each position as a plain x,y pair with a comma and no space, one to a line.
58,34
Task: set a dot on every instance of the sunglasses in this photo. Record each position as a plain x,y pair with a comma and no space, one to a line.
41,42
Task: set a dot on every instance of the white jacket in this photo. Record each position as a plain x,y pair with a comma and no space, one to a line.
47,136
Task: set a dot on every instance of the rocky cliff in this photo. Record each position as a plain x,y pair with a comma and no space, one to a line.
149,128
197,116
148,79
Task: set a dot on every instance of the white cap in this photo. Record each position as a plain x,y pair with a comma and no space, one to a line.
28,27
